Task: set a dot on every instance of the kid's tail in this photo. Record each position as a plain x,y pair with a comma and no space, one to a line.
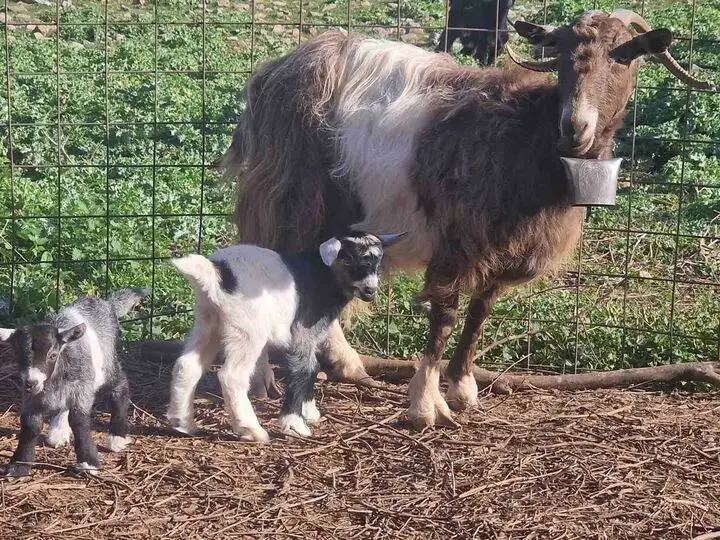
202,275
124,300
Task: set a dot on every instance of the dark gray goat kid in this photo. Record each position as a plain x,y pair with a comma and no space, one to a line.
64,362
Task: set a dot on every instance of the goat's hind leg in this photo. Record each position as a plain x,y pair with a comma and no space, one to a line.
117,437
59,433
242,353
462,387
201,347
262,382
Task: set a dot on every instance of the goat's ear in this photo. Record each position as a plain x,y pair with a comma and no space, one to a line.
391,239
71,334
535,34
6,333
652,42
329,250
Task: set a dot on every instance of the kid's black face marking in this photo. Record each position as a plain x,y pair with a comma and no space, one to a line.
38,349
357,266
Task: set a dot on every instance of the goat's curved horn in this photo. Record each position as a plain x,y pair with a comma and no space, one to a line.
630,18
542,67
388,240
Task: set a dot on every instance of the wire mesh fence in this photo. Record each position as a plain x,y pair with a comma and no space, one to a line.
113,114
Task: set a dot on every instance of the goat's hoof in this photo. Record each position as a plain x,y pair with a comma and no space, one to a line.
116,443
294,425
427,406
86,468
463,393
17,470
257,434
428,417
310,412
353,374
184,426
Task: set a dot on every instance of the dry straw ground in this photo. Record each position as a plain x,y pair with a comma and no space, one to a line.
601,464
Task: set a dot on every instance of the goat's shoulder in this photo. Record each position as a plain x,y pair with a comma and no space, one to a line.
319,296
308,269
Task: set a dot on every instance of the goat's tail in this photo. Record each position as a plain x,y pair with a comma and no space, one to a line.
202,275
124,300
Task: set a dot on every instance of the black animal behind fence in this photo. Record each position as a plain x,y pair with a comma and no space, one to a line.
112,115
480,25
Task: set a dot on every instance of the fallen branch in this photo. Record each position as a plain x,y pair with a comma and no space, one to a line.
393,369
397,370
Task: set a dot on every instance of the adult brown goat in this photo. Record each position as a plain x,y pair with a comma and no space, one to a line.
347,131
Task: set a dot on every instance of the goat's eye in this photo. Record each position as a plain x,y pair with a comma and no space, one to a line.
53,356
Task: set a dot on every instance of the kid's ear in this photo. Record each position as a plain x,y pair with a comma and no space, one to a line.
71,334
329,250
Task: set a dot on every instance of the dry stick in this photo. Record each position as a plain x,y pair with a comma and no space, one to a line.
397,370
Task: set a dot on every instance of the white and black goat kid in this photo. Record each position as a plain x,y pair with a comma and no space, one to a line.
64,362
250,300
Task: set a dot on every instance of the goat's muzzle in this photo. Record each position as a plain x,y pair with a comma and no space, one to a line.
577,145
578,122
33,387
366,294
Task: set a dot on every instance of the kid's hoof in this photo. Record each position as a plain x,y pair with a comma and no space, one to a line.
294,425
17,470
116,443
86,468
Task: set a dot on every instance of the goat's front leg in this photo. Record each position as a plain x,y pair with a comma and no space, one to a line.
344,361
85,449
117,437
20,463
462,387
427,406
299,407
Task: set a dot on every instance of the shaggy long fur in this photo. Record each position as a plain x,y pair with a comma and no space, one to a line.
384,136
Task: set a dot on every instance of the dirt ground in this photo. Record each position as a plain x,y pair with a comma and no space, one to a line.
602,464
